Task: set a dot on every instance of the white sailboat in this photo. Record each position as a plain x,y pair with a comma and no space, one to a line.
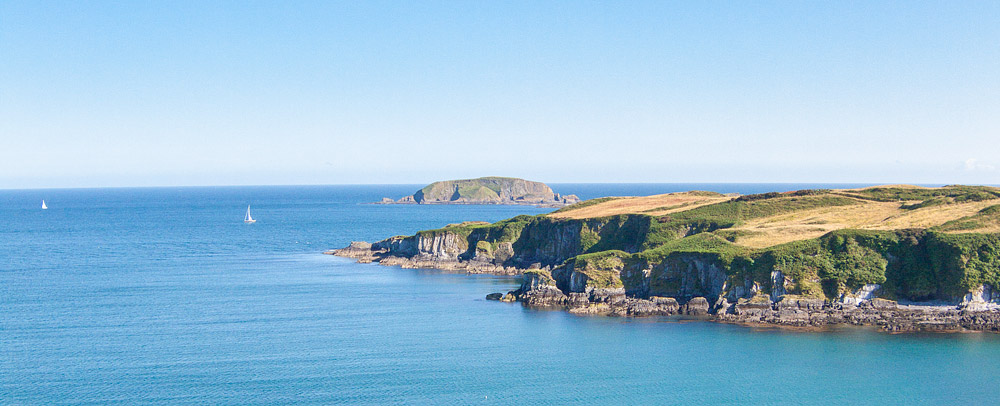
248,219
44,207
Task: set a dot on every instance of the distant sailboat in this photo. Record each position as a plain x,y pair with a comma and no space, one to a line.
248,219
44,207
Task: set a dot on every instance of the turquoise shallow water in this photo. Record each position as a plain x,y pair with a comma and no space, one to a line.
164,296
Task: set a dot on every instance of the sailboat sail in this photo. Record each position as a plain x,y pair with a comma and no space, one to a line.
248,219
44,206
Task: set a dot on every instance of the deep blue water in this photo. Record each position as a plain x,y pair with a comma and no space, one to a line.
164,296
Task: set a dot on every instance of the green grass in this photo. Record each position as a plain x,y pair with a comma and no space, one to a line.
485,247
588,238
964,261
988,217
602,260
704,193
957,193
665,208
734,235
732,213
602,269
544,276
736,212
911,264
475,192
625,232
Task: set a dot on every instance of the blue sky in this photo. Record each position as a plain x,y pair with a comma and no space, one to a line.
241,92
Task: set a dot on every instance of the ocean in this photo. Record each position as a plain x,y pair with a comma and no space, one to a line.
165,296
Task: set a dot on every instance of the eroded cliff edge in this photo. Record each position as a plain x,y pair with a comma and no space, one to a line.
691,261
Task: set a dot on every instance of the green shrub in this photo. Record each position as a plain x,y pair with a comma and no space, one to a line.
957,193
987,217
909,264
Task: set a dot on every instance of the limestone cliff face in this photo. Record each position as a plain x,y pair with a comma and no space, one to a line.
523,241
488,190
982,298
399,245
691,262
601,255
688,275
561,248
443,246
550,244
598,266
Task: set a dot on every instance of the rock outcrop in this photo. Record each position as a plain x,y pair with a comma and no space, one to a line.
687,262
982,298
691,285
539,290
488,190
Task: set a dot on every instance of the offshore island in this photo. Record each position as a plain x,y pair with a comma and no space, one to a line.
903,258
487,190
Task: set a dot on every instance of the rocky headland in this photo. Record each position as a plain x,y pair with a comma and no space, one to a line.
488,190
900,258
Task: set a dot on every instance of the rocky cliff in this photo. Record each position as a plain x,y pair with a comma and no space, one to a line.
488,190
636,264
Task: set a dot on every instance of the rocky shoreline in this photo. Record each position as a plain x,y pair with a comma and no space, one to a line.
366,253
538,290
760,310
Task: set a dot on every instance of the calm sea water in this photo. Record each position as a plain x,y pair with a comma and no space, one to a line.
164,296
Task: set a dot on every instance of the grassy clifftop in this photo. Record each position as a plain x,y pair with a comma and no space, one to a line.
769,219
917,243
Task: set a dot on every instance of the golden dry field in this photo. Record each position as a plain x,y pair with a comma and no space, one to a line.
803,224
656,205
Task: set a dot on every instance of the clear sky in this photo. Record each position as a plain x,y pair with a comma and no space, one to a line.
142,93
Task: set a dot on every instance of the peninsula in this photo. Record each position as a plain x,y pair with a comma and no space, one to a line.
900,257
488,190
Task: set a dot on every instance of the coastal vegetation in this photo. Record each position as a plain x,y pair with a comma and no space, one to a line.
914,243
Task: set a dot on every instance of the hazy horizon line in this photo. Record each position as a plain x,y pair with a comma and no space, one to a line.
928,184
